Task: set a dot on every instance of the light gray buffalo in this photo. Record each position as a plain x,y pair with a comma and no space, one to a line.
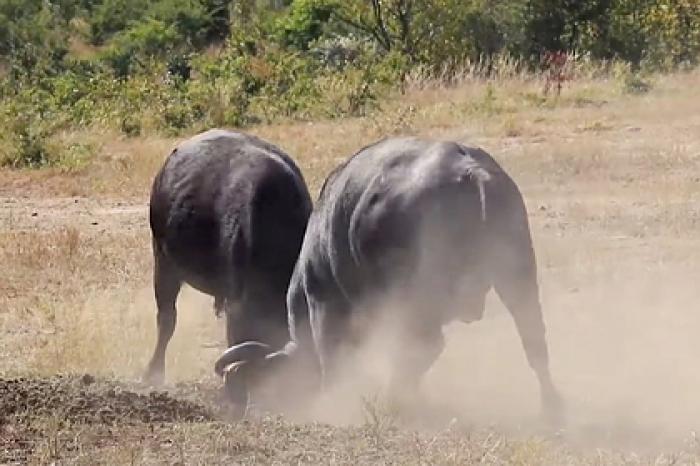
437,224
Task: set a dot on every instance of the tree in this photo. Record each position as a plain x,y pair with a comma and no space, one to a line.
390,22
304,22
561,25
220,19
434,32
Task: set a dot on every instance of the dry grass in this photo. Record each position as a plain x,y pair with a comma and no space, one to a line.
259,442
611,183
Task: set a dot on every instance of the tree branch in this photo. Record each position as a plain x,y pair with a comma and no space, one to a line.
366,28
381,26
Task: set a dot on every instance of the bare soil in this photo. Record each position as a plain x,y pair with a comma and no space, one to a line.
90,216
81,400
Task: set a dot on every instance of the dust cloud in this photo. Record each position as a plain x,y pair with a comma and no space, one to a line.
623,353
196,343
623,348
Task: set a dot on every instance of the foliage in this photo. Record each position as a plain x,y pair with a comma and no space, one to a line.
673,29
143,40
182,65
32,35
564,24
109,17
305,22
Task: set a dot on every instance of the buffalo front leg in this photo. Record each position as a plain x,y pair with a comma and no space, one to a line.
166,284
235,333
419,347
330,327
521,297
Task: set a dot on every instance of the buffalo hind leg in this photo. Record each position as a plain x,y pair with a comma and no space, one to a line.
519,292
166,284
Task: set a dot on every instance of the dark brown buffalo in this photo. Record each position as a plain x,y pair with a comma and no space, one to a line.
228,213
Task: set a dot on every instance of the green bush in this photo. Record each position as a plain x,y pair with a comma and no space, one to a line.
33,37
110,17
27,146
304,22
191,20
174,66
27,22
32,143
146,39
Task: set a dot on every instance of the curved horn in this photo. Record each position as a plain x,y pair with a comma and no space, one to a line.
246,351
289,349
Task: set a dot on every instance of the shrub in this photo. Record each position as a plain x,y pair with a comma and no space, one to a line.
304,22
161,65
133,47
110,17
32,143
191,20
27,145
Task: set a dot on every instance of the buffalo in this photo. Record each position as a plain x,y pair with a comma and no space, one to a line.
227,215
436,224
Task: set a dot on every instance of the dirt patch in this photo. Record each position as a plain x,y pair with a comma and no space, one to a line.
87,400
29,405
89,216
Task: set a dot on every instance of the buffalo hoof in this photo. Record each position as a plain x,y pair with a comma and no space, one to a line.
553,412
235,391
154,377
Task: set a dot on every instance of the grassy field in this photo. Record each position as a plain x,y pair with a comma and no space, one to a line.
611,180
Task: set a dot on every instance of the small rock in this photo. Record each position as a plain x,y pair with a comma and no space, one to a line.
88,379
34,214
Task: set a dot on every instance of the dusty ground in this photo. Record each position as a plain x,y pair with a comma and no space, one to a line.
612,183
